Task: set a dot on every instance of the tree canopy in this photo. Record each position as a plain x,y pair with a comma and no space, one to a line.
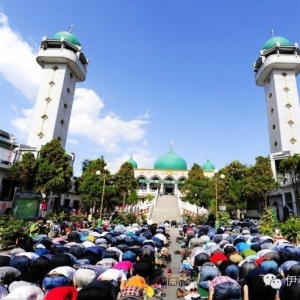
54,172
197,187
259,181
125,181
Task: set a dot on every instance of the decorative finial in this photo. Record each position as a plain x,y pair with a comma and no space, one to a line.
272,33
71,28
171,145
130,154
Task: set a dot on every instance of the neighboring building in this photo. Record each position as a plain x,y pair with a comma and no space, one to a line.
7,157
168,174
276,70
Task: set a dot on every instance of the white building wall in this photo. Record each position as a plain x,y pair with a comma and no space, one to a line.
282,102
54,102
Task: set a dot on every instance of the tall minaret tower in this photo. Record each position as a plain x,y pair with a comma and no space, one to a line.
276,70
64,65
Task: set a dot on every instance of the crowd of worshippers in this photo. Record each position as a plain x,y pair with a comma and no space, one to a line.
236,262
107,263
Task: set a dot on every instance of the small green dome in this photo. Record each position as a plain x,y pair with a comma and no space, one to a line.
208,166
170,161
276,39
69,36
133,162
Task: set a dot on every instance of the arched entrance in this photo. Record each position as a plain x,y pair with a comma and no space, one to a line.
142,182
180,182
155,183
169,186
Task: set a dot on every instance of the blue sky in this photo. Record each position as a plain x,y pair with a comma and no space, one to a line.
160,70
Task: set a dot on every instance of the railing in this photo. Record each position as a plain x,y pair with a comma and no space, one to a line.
191,209
153,204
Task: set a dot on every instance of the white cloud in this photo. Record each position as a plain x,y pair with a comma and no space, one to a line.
106,131
17,61
72,141
22,124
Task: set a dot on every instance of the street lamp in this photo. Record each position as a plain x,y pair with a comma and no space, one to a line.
217,224
98,173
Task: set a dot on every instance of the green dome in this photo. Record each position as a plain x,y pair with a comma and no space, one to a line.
208,166
70,37
276,39
170,161
134,164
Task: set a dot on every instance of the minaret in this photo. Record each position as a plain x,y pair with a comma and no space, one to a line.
64,65
276,70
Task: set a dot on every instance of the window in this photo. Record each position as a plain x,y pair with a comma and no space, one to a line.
62,122
68,90
65,105
288,105
40,135
271,110
268,81
275,144
286,89
270,95
71,75
273,127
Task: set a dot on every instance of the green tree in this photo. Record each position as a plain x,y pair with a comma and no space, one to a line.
235,172
197,187
85,164
124,180
290,229
90,186
53,170
259,181
267,222
133,197
24,171
28,168
290,169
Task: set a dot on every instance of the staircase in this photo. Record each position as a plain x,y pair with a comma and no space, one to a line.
166,209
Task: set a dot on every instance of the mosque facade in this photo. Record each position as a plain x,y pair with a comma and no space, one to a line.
167,175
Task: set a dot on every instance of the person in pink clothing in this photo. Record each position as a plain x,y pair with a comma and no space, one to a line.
44,207
126,266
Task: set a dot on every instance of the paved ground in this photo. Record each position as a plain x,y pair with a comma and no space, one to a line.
176,262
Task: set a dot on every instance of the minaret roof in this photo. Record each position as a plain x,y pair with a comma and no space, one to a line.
275,39
69,36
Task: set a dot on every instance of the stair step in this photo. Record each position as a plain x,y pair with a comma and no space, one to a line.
166,209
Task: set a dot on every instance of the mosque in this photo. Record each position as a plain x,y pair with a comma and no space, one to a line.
168,174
